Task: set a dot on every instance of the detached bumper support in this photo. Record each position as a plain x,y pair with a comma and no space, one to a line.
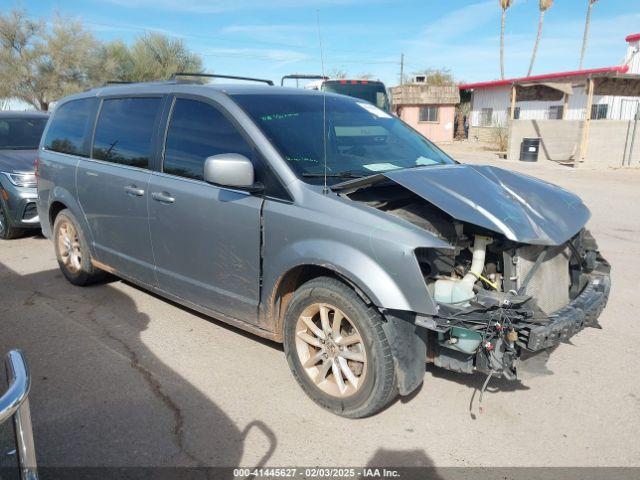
582,312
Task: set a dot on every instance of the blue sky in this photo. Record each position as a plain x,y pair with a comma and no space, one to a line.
270,38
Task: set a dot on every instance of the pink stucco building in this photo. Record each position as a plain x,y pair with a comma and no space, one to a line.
430,109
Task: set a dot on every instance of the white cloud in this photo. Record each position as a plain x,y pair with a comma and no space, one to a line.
217,6
280,57
461,21
292,34
125,27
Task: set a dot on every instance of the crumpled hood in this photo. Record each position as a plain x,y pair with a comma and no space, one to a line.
523,208
12,161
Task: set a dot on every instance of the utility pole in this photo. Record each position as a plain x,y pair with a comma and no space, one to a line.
401,68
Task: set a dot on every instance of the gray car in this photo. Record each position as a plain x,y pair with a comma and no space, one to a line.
322,222
20,134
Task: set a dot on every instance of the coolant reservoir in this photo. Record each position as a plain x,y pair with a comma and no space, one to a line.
452,291
460,290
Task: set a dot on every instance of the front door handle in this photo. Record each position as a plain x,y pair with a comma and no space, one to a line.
162,197
134,191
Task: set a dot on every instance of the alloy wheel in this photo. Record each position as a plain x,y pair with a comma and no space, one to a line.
331,350
68,245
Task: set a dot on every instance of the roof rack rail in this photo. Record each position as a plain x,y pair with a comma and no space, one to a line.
116,82
302,76
213,75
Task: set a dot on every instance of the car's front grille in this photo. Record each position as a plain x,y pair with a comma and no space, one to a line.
30,211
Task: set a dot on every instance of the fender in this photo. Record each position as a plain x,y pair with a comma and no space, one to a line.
403,290
407,340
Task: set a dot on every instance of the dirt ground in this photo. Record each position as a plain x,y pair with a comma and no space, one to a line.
122,377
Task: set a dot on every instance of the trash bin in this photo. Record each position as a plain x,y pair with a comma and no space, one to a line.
529,149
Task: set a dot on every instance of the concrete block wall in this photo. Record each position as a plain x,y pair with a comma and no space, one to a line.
608,144
560,138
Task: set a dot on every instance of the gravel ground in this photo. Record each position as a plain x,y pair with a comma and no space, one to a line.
124,378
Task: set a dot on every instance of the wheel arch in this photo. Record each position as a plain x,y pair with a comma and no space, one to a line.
294,278
60,199
54,209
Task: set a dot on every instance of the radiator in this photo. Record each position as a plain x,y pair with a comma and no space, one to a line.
551,282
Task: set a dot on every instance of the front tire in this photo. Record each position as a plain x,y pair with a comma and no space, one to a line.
72,251
8,231
337,349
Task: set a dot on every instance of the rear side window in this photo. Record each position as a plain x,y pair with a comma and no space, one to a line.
197,131
70,127
21,133
124,133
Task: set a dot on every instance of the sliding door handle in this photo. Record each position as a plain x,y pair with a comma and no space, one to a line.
162,197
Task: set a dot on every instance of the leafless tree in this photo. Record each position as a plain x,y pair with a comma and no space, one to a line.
338,74
436,76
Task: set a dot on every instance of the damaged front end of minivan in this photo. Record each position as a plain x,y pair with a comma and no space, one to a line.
521,273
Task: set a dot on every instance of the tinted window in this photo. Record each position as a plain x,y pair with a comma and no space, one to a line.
125,130
21,133
70,127
198,131
373,92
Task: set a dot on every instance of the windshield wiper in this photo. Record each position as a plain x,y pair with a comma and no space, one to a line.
346,174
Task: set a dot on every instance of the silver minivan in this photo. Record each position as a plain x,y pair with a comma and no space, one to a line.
322,222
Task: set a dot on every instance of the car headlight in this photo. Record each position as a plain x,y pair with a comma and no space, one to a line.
22,179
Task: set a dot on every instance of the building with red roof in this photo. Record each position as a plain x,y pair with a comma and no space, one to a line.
578,97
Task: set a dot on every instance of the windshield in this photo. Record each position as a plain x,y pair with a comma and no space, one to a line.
374,92
21,133
360,138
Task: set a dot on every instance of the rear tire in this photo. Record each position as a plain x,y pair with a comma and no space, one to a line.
72,251
7,231
337,349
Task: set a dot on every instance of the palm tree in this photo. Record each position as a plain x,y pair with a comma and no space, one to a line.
587,23
504,5
544,6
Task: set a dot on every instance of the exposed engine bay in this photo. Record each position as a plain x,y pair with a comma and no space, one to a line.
496,297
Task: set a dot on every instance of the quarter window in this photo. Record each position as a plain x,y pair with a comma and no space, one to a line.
70,128
429,114
125,129
197,131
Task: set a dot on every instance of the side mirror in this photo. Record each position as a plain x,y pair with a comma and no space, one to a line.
230,170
